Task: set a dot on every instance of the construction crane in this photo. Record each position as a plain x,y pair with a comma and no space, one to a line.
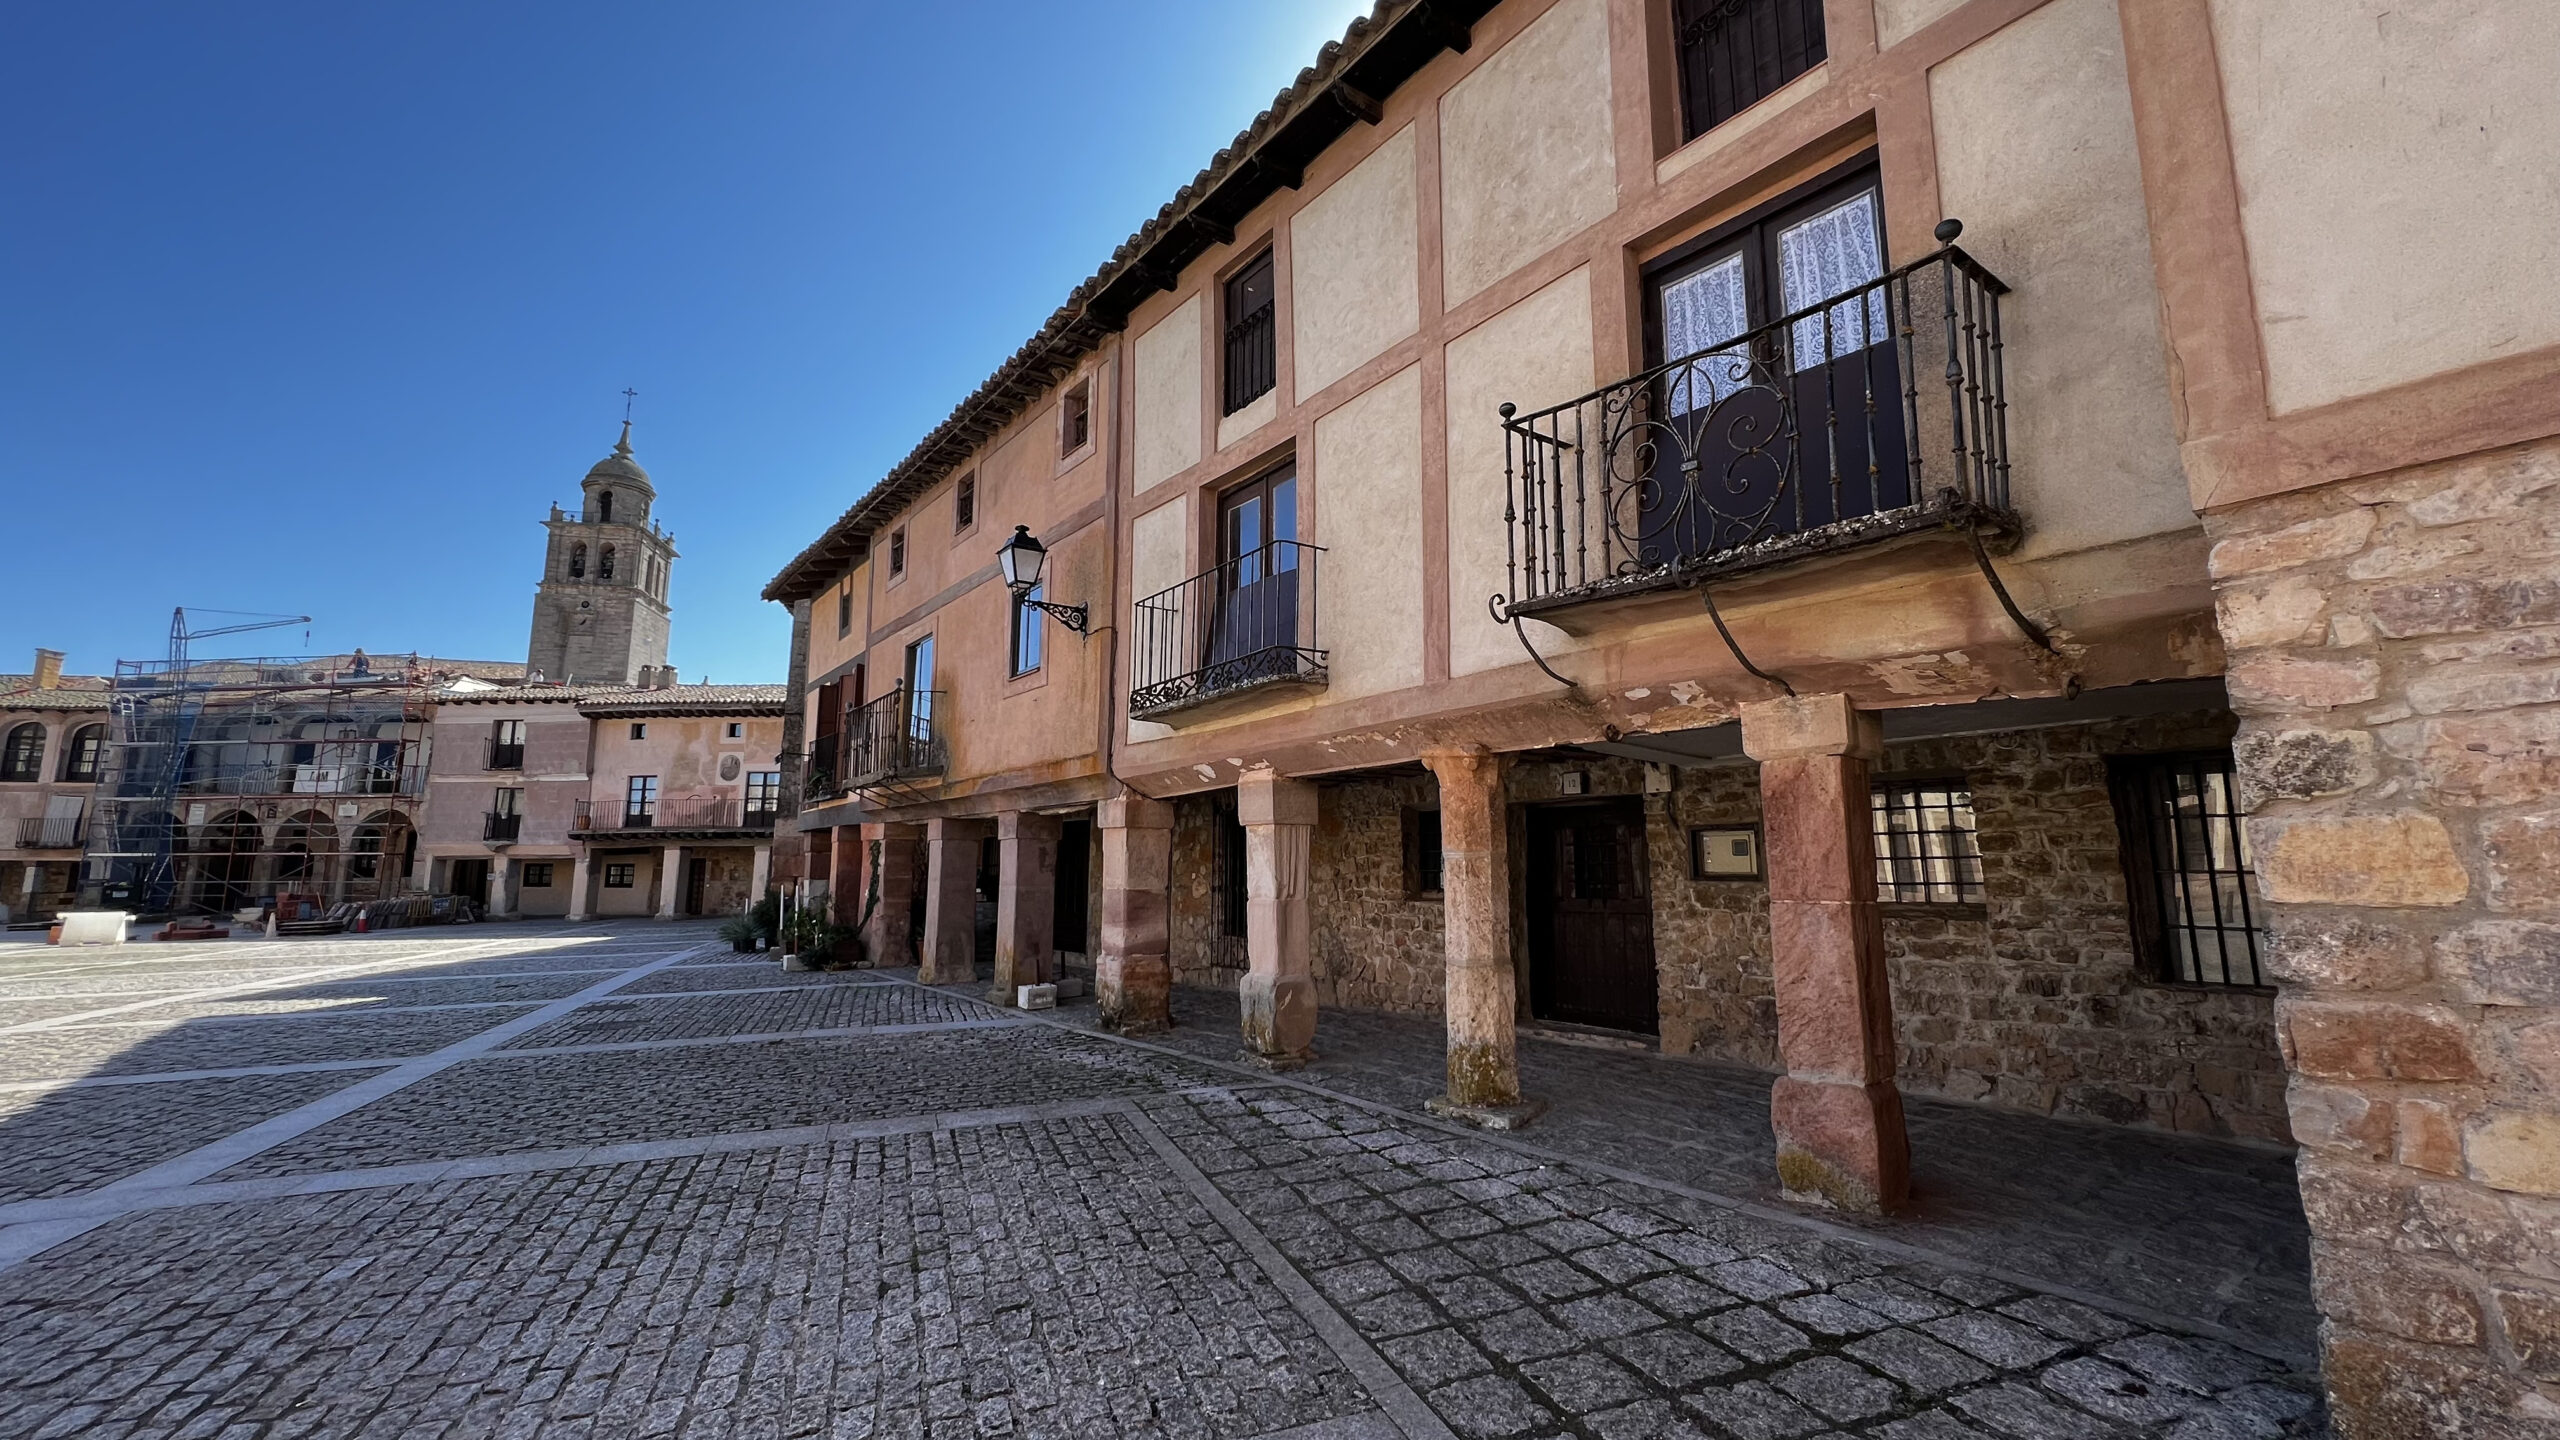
180,635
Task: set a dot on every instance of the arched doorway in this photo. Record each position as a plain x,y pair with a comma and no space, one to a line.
304,845
378,867
227,861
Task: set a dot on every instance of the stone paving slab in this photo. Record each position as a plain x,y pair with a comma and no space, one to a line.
834,1007
2185,1226
503,1104
220,1044
1013,1280
57,1142
1529,1299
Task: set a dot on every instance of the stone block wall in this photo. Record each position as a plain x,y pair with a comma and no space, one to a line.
1197,953
1375,947
727,881
2395,649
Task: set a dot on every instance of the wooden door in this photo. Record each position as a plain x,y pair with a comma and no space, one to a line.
1591,916
697,874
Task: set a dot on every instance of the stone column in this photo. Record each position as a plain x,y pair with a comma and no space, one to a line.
1482,995
888,936
760,874
1278,992
502,888
670,882
1133,971
1837,1113
1026,902
582,892
951,901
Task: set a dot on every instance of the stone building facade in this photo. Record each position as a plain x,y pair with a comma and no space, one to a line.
2120,708
600,615
53,730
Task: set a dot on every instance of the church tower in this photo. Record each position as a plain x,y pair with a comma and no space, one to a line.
600,616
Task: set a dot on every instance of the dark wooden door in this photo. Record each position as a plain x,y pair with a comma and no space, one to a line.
470,879
1075,875
697,874
1591,916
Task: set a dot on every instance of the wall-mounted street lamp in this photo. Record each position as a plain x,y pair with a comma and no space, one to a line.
1023,558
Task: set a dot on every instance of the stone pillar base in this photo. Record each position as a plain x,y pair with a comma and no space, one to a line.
1276,1064
1840,1144
1487,1117
1135,993
1279,1019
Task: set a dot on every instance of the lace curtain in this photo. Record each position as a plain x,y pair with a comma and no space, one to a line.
1830,254
1700,311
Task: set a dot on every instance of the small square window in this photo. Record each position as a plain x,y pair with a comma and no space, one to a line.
617,875
639,732
898,551
537,874
1075,419
1724,853
2193,889
737,731
964,503
1421,854
1927,851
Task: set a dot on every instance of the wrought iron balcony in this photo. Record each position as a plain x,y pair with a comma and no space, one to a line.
1246,625
673,812
818,770
1809,435
501,828
503,756
898,736
53,832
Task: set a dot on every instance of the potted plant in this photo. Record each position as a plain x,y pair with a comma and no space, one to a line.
741,933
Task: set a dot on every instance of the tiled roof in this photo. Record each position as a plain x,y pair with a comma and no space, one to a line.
633,699
73,692
1351,75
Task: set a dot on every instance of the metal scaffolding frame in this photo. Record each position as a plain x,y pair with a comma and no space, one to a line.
230,782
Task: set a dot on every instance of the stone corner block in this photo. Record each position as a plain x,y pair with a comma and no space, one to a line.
2403,859
1810,725
1266,798
1487,1117
1133,812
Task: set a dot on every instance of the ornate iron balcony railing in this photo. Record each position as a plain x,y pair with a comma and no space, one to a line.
672,812
501,828
503,756
898,736
1813,433
1248,623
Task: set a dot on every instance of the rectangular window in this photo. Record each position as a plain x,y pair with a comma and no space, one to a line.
1026,631
537,874
964,503
1735,53
1421,854
640,800
1075,419
737,730
506,745
919,717
509,803
1226,878
617,875
1252,356
2188,879
1927,852
639,732
898,551
764,792
844,611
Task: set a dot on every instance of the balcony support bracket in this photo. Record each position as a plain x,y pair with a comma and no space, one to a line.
1497,607
2027,627
1731,644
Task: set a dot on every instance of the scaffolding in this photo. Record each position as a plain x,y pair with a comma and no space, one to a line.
232,782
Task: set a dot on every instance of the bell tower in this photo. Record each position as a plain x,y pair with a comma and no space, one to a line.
600,615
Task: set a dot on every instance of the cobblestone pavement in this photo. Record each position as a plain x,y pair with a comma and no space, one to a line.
2206,1231
664,1193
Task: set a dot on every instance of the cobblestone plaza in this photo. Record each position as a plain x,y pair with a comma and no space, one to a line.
595,1181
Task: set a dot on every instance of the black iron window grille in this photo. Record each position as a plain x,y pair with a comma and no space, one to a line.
1736,53
964,503
898,551
896,736
2189,883
1248,623
1928,851
1253,365
1227,877
1808,433
844,611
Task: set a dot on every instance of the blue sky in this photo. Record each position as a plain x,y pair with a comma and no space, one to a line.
313,308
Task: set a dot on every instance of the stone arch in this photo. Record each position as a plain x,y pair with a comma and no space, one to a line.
226,856
604,563
578,561
604,514
379,861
